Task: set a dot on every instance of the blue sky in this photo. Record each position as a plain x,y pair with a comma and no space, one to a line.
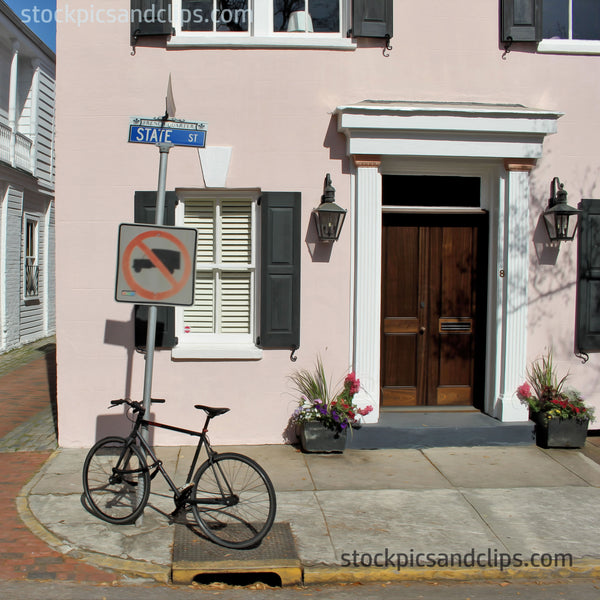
38,15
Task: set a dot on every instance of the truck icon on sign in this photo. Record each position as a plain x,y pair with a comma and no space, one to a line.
171,259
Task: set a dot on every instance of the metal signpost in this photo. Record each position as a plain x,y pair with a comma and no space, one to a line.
165,133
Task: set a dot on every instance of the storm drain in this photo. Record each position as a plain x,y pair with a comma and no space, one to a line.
274,562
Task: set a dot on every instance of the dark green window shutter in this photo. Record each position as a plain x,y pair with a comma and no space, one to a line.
150,17
588,280
145,208
280,270
372,18
521,20
145,212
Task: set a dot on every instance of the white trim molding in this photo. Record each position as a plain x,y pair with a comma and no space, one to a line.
451,138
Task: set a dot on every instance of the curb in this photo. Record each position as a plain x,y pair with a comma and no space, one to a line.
585,569
126,567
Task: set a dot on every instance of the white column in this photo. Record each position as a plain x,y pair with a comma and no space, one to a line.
367,300
513,341
12,99
35,104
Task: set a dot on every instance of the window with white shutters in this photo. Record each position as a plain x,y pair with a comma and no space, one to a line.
224,305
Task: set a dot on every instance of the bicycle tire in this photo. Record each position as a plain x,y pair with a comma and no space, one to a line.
112,497
246,522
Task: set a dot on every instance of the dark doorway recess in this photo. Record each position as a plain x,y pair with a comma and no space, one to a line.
428,190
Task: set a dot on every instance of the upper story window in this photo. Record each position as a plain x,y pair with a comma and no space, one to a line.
312,23
570,26
559,26
571,19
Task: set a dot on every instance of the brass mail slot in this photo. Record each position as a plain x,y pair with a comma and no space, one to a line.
456,325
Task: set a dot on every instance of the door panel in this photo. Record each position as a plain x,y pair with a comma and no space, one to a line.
402,314
432,272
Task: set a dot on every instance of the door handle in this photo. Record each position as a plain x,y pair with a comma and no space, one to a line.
422,330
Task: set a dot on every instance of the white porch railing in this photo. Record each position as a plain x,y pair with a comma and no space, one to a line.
16,149
23,146
5,141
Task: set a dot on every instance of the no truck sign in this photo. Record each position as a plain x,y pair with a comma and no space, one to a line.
156,265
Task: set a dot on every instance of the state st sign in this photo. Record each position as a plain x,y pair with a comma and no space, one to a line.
156,265
178,133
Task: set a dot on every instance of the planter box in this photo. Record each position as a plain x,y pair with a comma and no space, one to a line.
560,433
314,437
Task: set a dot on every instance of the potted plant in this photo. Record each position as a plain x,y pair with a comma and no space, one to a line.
323,417
560,415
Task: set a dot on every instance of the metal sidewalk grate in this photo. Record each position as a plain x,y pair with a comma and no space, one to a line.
194,557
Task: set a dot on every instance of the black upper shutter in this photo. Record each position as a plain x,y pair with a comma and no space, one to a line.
145,212
372,18
588,280
145,208
280,270
521,20
150,17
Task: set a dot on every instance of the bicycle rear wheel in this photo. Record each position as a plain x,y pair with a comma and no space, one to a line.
233,500
116,481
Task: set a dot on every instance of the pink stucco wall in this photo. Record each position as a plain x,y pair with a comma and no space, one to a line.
273,107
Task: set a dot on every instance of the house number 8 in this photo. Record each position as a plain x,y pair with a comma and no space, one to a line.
501,272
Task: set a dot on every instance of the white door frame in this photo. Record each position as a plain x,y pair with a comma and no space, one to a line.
499,144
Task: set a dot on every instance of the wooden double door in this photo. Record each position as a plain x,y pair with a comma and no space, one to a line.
434,279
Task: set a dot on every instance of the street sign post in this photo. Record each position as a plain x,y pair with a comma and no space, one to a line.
144,130
165,261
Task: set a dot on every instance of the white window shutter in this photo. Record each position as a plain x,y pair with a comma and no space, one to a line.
200,213
236,231
235,302
200,318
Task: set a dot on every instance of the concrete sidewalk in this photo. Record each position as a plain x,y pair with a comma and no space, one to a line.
501,511
365,515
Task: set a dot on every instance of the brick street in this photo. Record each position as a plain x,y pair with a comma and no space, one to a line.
27,439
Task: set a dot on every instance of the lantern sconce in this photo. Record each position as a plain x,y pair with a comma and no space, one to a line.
561,219
329,217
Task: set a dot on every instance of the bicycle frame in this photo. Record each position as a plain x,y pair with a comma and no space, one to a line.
180,494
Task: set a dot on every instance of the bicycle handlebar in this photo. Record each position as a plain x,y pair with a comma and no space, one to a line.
135,405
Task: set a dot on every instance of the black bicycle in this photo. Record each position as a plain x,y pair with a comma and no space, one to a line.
231,496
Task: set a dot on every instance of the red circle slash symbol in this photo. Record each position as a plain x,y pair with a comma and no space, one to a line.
138,242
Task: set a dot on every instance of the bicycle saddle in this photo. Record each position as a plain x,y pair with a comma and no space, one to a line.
212,412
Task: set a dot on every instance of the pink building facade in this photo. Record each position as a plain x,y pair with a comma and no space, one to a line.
443,285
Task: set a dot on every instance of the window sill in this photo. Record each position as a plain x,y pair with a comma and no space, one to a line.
217,352
569,47
283,41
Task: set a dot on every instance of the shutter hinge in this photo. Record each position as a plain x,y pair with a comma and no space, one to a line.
387,47
258,341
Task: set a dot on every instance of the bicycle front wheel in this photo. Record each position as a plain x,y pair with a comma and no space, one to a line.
116,481
233,500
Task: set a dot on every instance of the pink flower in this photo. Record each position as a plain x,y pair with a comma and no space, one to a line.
352,383
365,411
524,390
